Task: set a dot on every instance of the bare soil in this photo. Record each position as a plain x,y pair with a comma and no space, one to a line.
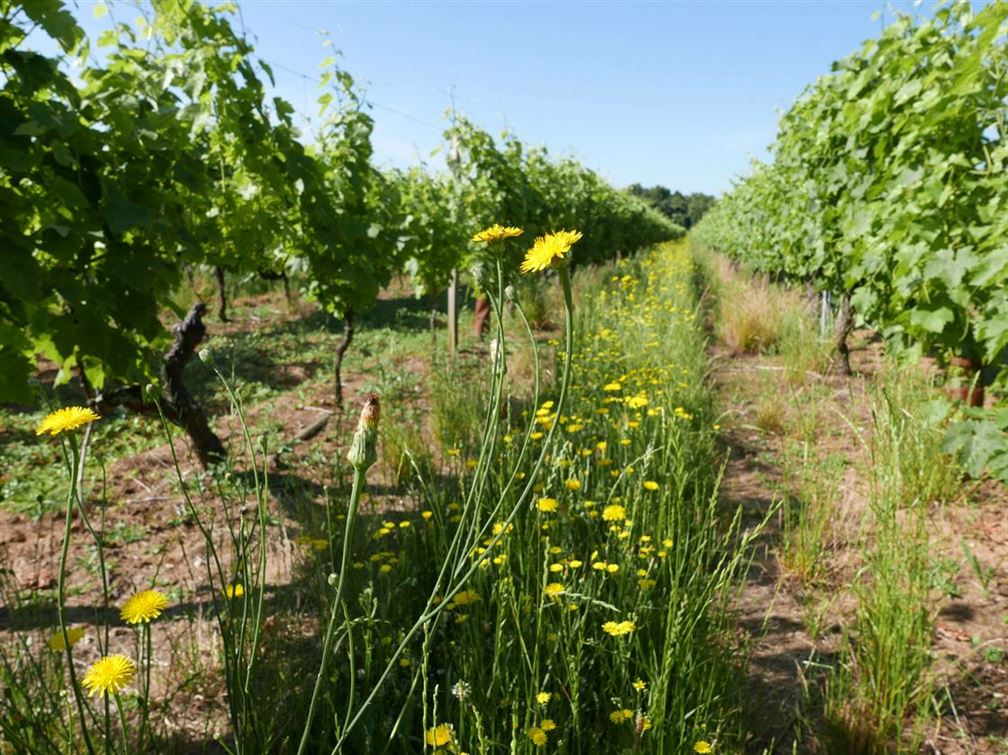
969,674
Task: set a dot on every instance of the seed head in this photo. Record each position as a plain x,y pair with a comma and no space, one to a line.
363,448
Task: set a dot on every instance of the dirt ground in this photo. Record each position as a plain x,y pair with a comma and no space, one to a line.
152,541
786,661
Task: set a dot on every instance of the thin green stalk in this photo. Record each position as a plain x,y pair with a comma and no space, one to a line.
122,722
61,593
431,613
355,493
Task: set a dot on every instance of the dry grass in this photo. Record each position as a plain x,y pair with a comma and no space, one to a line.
756,317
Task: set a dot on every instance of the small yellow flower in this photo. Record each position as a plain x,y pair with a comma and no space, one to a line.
637,402
537,735
703,747
439,735
67,418
109,675
73,635
543,697
143,607
549,250
619,716
640,685
573,484
465,597
547,505
618,628
547,724
553,590
426,514
234,591
497,232
614,513
612,387
650,485
405,663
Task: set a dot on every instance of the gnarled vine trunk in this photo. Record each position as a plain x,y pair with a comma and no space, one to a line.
221,294
341,349
178,405
482,316
845,323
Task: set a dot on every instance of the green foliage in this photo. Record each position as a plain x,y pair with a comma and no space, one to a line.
886,182
682,209
978,441
886,177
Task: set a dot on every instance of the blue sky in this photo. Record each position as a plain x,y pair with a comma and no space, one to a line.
677,93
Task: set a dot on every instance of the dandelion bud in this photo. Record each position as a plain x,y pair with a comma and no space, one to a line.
510,293
363,448
333,579
205,356
482,275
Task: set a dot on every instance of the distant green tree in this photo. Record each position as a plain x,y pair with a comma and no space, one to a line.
682,209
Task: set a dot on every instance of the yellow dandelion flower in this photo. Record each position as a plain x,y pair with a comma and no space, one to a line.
650,485
549,250
640,685
612,387
547,724
618,628
234,591
543,697
614,513
497,232
537,735
143,607
109,675
67,418
465,597
547,505
439,735
575,564
637,402
573,484
73,635
703,747
405,663
553,590
619,716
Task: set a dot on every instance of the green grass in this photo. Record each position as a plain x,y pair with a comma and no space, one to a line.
519,649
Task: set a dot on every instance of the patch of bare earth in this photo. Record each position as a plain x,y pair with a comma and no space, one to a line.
969,674
150,539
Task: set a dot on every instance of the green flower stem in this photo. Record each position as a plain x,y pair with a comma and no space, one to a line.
432,612
61,593
358,486
122,721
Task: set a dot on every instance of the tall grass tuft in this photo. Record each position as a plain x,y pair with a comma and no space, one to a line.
875,700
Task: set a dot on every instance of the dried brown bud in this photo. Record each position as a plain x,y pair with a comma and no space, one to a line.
363,451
